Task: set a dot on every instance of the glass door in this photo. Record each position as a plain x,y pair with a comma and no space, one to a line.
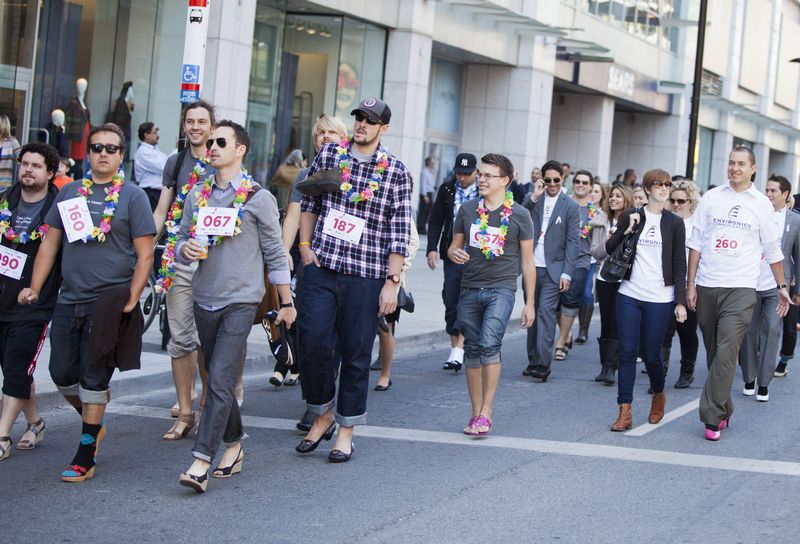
18,24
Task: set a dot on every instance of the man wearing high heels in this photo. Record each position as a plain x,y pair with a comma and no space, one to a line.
231,226
353,241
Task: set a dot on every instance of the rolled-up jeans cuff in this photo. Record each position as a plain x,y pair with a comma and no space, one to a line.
69,390
350,421
321,409
234,441
202,456
88,396
493,359
472,362
569,312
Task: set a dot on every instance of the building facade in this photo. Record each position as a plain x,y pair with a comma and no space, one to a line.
602,84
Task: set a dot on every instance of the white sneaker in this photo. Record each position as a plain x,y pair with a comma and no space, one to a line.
749,389
763,394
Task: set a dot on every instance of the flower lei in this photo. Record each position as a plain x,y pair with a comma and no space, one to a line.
483,223
238,201
172,225
343,150
23,237
112,199
586,229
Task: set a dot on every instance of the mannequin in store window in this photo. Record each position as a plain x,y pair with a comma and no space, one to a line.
58,132
121,114
78,123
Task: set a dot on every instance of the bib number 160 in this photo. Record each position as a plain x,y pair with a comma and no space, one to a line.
76,217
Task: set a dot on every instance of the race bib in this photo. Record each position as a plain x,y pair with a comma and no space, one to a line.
727,243
494,237
12,262
214,221
344,226
76,218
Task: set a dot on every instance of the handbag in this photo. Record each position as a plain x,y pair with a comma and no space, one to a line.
616,266
405,301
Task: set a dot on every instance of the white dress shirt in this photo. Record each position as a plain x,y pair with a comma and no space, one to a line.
732,230
148,165
766,279
427,183
538,254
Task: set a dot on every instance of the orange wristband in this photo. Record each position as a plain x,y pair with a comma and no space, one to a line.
301,244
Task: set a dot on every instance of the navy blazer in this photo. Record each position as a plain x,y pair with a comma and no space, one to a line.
562,237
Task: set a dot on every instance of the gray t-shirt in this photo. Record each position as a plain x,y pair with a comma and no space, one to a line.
92,267
26,213
502,271
184,173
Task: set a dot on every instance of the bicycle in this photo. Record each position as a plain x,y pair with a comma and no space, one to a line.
154,304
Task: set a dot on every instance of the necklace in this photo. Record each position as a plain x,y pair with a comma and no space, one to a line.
238,201
483,224
586,229
112,198
172,225
23,237
374,183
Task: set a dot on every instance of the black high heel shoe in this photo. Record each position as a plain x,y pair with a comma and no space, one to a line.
338,456
235,468
198,483
307,446
386,387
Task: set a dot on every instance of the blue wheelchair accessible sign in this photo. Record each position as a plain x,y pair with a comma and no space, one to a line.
190,73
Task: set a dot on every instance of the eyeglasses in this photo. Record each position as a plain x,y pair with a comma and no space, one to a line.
548,181
581,182
679,201
667,184
484,175
360,118
221,143
110,148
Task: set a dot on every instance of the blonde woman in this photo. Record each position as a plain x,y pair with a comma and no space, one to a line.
9,151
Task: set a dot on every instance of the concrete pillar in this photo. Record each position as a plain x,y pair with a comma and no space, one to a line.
761,151
723,143
582,131
228,53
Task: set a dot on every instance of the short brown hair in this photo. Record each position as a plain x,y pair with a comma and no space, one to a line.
500,161
109,127
198,104
652,176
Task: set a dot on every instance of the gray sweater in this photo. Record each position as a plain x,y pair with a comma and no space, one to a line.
233,273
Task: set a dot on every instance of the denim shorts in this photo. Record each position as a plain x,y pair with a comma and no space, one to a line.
483,316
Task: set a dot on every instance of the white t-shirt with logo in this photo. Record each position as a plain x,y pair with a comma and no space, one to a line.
647,275
766,279
549,203
732,230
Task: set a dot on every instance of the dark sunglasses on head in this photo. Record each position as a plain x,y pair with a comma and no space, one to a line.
360,118
221,142
667,184
110,148
549,181
680,201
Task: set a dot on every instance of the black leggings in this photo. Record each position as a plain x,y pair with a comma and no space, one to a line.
607,298
789,333
687,332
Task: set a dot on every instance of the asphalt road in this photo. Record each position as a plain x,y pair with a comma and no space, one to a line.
550,471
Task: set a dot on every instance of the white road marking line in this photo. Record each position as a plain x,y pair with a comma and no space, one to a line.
672,415
735,464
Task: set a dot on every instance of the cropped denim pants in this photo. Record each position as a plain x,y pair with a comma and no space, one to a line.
483,316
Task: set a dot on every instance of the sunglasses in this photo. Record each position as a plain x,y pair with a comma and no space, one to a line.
679,201
667,184
549,181
98,148
221,142
360,118
581,182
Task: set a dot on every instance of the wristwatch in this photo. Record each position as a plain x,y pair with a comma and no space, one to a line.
393,278
781,286
287,304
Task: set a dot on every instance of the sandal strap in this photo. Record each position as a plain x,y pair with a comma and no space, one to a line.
36,427
2,449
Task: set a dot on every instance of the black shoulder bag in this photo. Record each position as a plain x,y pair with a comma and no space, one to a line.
616,266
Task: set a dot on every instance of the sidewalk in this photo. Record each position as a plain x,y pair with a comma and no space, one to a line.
425,327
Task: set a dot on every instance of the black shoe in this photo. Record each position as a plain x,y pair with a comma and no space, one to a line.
198,483
305,422
607,375
338,456
540,372
376,364
763,394
291,379
529,370
686,376
380,387
780,370
230,470
276,379
307,446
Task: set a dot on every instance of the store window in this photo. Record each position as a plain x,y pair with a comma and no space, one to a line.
640,17
443,126
17,39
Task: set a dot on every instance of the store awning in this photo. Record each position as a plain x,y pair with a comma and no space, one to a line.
503,17
750,115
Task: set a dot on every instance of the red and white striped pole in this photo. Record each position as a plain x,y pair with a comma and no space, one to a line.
194,50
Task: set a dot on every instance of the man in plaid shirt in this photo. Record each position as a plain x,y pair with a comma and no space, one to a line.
352,243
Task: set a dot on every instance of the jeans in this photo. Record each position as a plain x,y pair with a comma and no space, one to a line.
572,299
450,293
483,316
640,325
223,337
339,306
70,362
588,297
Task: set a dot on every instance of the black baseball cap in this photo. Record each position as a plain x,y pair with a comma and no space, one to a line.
466,163
375,109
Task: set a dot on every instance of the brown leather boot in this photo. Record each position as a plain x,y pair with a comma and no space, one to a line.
625,419
657,407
